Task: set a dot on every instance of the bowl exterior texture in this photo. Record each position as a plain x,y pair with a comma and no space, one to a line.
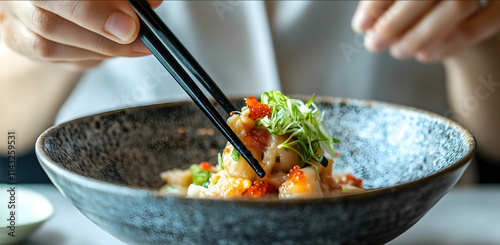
108,165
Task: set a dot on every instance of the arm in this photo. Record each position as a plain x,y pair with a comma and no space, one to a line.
32,93
44,48
474,93
464,36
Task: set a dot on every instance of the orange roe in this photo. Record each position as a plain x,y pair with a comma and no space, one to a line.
257,138
349,179
259,188
257,109
295,174
205,166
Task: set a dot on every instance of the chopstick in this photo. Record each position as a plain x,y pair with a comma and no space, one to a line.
159,39
158,27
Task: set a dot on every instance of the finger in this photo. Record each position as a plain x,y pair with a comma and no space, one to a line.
32,45
115,20
78,65
2,14
60,30
400,17
434,26
155,3
367,14
481,26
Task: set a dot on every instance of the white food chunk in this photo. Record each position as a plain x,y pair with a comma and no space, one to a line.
178,177
221,186
174,190
241,124
238,169
195,191
276,159
308,187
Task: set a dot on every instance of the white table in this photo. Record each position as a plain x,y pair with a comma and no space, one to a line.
464,216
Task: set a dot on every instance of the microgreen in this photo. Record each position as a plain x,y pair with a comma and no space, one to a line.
235,155
303,122
199,176
219,159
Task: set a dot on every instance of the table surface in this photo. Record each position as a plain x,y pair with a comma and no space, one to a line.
464,216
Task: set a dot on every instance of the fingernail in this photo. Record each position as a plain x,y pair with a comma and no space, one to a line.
120,25
373,42
139,47
398,50
358,22
362,22
425,57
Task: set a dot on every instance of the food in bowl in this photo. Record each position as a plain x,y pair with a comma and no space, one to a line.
108,166
291,144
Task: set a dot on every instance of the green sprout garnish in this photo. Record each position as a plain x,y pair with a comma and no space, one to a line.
304,124
219,159
200,177
169,189
235,155
205,184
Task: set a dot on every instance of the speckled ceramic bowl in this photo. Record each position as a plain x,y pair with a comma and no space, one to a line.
108,165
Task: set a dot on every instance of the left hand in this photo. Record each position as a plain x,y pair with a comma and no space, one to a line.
426,30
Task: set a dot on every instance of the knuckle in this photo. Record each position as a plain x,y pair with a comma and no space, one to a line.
45,22
83,65
108,47
54,6
467,33
387,30
14,40
463,7
2,15
413,46
79,9
42,47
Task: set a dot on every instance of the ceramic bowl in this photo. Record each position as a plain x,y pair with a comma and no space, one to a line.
30,209
108,165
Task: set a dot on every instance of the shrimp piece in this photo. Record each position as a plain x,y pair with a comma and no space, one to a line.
237,168
279,159
301,183
178,177
241,124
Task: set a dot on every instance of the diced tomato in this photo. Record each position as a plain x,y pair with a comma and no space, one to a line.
205,166
259,188
257,138
257,109
349,179
295,174
337,154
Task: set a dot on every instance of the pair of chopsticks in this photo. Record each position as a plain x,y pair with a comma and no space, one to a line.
166,48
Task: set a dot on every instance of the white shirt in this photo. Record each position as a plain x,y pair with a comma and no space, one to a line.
248,47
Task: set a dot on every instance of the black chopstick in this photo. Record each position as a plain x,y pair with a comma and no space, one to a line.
168,39
152,34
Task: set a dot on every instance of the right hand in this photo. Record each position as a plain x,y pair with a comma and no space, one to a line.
79,34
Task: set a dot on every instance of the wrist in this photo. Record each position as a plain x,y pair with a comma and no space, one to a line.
487,51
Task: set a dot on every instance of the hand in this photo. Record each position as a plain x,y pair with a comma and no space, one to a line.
79,34
426,30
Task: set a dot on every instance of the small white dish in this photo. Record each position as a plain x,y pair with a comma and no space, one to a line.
31,209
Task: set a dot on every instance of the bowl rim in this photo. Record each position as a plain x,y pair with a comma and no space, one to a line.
466,135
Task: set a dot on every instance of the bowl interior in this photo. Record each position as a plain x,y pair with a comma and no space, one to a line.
383,144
